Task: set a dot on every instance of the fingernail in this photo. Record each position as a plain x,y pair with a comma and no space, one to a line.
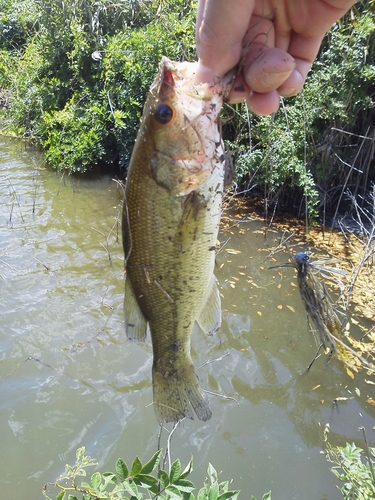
274,80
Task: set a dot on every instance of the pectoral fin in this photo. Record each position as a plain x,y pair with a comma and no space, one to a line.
135,322
209,318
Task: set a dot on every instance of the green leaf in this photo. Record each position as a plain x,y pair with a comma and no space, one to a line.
122,469
229,494
136,467
184,485
72,497
131,488
211,471
152,463
146,480
109,477
80,453
213,493
96,480
224,486
175,471
202,495
351,452
188,496
188,469
267,496
119,491
60,496
164,478
86,486
173,492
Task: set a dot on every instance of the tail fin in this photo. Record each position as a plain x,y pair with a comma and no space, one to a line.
177,393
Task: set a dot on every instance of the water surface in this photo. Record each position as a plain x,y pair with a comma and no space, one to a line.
70,378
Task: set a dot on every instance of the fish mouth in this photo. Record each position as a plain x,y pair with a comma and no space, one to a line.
183,77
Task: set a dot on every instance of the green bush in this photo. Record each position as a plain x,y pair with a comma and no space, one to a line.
74,136
18,20
129,65
7,63
354,468
138,482
85,110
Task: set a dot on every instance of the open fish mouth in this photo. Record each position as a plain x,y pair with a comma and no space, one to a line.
184,80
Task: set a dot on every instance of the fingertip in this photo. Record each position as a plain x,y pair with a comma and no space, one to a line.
269,71
292,85
263,104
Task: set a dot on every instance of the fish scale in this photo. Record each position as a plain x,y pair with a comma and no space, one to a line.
171,217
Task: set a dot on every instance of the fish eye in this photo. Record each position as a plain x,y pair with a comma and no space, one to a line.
163,114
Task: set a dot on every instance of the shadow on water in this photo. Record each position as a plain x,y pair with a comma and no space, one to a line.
70,378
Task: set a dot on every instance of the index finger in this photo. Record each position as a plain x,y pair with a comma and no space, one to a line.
221,27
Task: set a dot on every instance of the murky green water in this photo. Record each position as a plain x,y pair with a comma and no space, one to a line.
70,378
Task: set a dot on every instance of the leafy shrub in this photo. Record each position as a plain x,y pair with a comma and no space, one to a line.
6,63
85,111
74,135
354,469
17,23
129,65
140,481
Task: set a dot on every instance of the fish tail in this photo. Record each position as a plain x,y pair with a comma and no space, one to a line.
177,393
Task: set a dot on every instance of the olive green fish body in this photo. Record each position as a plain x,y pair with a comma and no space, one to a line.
171,220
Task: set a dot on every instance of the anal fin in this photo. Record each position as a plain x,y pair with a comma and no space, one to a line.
209,318
135,322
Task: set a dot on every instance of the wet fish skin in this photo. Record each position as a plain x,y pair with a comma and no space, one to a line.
171,219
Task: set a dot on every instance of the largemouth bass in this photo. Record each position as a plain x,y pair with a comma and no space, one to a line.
171,216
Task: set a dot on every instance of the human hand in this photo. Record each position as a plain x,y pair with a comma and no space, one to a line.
276,41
